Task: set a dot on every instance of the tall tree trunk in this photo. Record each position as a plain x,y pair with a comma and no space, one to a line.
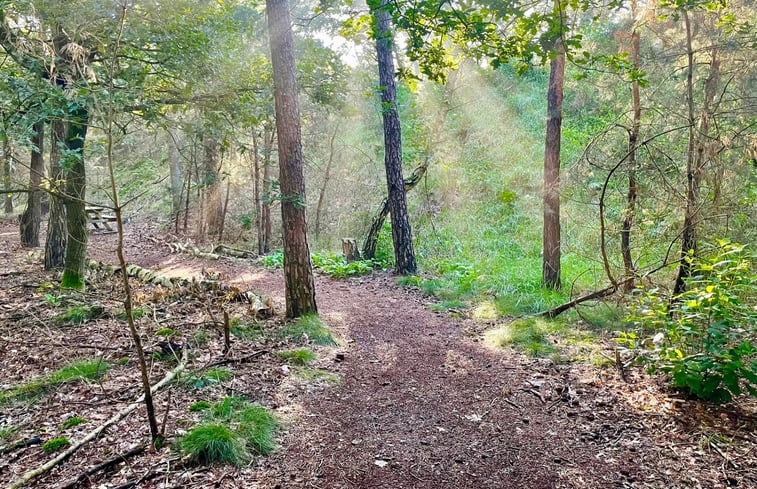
213,201
401,233
298,271
176,175
57,237
551,234
256,191
7,176
268,135
76,216
633,138
326,178
695,159
32,216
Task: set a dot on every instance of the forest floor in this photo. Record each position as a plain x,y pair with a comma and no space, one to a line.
409,398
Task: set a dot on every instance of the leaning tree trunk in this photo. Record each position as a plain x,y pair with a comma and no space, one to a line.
695,159
213,200
633,138
371,240
55,244
7,177
76,215
32,216
298,271
551,232
326,178
404,255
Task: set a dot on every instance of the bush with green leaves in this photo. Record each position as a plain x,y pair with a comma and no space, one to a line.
706,337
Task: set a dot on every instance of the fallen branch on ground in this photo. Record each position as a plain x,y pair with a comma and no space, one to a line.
73,482
96,432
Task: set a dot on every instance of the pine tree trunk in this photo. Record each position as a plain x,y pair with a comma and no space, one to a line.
551,234
633,138
76,216
256,188
30,219
176,174
401,233
55,244
213,201
268,136
298,272
326,178
7,177
695,160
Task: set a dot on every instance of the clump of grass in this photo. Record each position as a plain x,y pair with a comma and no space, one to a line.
214,443
83,370
311,327
7,432
528,335
55,444
233,429
302,356
80,314
199,406
207,377
317,374
71,422
164,332
246,331
136,313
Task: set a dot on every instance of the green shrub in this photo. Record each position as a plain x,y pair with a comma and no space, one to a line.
55,444
705,337
311,327
302,356
213,443
274,260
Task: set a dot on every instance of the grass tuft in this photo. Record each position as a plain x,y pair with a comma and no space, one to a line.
55,444
84,370
80,314
71,422
301,357
199,406
528,335
214,443
317,374
311,327
207,377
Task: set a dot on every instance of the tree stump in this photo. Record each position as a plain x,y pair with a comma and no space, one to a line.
350,249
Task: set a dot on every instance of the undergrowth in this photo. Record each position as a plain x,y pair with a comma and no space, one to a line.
84,370
309,327
331,264
300,357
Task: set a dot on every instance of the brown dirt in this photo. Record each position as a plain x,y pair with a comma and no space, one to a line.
421,404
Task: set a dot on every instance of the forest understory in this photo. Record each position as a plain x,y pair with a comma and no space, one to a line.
405,398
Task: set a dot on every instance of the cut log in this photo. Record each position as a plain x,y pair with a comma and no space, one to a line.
350,249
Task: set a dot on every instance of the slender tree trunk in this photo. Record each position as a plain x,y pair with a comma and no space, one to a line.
32,216
401,233
633,138
224,211
7,177
695,159
76,216
551,234
268,136
57,236
256,189
326,178
298,271
176,175
213,201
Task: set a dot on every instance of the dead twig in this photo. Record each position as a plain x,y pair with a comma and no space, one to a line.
73,482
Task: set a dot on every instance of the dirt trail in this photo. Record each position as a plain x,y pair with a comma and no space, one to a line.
422,405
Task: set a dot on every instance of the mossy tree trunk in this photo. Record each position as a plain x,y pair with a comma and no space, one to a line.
55,244
298,270
401,233
76,215
32,215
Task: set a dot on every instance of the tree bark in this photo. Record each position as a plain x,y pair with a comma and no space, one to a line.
298,271
57,237
256,188
404,255
213,201
32,216
633,138
7,177
551,230
176,175
76,216
695,154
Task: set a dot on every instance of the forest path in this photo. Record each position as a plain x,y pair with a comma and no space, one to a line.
422,405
